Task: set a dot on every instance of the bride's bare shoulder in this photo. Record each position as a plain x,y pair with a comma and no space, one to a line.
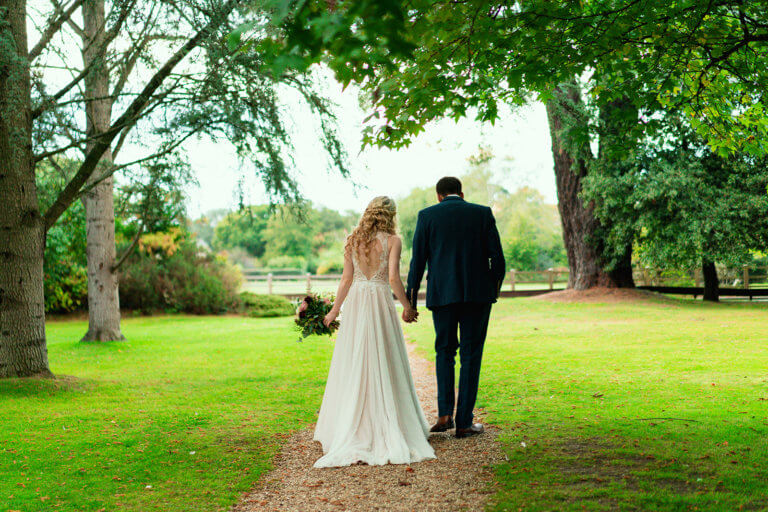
348,246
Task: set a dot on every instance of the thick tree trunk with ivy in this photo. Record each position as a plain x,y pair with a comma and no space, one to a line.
23,350
617,119
580,227
711,281
103,297
621,274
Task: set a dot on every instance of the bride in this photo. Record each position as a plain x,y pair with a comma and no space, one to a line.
370,412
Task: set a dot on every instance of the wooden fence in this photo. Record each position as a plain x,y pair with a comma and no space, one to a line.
298,284
524,283
744,278
746,281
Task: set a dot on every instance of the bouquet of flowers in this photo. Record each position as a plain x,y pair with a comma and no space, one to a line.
310,314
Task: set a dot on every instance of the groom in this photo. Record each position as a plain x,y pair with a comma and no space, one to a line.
460,244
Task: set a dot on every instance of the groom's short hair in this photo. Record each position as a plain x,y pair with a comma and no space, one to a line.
448,185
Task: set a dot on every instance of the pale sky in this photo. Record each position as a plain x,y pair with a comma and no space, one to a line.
520,141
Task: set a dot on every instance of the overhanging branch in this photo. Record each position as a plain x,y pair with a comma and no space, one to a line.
54,24
128,118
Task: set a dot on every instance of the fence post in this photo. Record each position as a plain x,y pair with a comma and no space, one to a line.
512,278
269,283
551,279
309,283
746,277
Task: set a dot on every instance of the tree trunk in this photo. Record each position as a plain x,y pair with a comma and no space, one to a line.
711,282
580,226
615,124
23,350
621,274
103,296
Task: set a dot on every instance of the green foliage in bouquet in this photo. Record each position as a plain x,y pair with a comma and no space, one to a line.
310,314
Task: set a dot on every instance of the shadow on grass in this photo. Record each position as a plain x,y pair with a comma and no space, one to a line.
44,386
589,474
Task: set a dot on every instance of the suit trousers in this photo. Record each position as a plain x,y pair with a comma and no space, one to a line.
463,327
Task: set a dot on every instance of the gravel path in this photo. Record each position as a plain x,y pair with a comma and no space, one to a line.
460,478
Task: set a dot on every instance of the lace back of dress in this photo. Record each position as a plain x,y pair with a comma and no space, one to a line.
373,265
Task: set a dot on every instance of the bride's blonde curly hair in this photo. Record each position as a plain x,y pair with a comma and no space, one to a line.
379,216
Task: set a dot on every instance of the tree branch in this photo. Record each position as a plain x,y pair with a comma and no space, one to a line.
128,118
129,250
111,35
47,102
74,26
48,154
148,108
54,24
113,169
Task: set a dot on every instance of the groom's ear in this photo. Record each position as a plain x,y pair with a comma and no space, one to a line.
461,194
440,198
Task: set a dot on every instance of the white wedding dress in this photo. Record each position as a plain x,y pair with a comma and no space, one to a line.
370,411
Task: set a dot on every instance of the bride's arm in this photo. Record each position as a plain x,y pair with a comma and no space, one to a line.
394,272
341,293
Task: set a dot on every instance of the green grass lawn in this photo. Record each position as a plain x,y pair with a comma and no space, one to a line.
647,406
188,413
183,417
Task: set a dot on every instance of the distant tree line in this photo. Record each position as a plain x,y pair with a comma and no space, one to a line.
303,237
530,229
312,240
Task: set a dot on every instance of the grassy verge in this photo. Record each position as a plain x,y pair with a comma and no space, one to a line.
646,406
186,415
652,406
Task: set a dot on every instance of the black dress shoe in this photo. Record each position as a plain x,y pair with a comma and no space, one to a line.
443,424
474,430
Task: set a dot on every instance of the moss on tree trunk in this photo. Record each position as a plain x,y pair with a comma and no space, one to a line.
23,350
580,227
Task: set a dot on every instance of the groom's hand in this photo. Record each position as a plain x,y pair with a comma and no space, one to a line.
410,315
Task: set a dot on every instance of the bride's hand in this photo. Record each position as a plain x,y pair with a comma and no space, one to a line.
330,317
410,315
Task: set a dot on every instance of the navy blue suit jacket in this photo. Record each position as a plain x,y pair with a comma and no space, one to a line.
459,244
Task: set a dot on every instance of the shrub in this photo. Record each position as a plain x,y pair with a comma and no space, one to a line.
240,257
287,262
255,305
331,267
182,279
231,275
68,291
331,259
66,277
